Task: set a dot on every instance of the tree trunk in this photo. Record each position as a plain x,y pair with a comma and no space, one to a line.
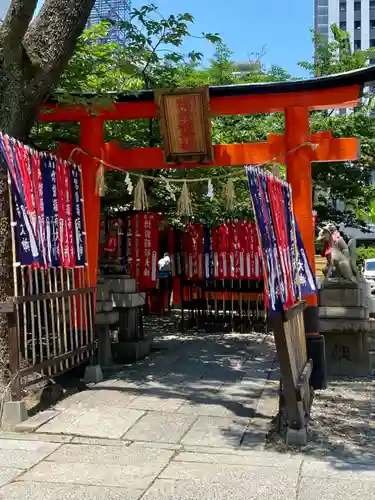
33,54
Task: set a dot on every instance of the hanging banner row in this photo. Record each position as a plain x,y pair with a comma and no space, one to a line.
287,272
229,251
48,203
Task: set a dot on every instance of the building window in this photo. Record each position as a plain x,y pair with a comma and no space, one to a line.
372,23
372,62
357,6
372,4
372,42
342,6
343,25
357,44
357,25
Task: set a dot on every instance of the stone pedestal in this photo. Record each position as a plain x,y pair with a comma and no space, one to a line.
127,351
119,310
14,412
346,324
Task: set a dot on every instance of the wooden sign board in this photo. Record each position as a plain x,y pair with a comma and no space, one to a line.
185,125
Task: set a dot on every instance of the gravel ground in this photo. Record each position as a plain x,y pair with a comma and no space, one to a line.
342,423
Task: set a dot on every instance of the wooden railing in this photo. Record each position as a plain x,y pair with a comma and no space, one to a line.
295,367
52,325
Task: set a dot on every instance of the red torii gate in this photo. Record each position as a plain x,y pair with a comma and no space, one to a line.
295,99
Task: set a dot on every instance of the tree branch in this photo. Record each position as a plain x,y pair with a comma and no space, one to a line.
51,37
16,22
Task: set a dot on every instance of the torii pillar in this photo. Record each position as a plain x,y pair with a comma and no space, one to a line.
299,176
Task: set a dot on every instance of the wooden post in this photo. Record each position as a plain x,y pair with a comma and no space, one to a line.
295,367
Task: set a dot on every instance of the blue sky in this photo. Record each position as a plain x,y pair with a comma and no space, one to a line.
281,26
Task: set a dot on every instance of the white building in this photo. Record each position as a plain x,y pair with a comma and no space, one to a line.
357,17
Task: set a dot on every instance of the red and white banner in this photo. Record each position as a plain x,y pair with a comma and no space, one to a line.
144,249
235,250
193,250
64,200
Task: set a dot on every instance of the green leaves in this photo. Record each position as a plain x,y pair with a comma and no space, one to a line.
214,38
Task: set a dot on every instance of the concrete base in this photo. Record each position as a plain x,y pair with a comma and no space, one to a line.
32,424
296,437
14,412
341,297
128,300
347,312
347,353
132,351
104,345
347,325
93,374
107,318
121,284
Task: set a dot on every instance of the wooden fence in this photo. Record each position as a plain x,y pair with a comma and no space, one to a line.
52,324
290,339
234,302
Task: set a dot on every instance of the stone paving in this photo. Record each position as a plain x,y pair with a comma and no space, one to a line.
187,423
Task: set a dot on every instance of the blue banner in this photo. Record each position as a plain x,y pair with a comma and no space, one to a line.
303,280
27,248
262,217
51,210
306,277
291,230
77,209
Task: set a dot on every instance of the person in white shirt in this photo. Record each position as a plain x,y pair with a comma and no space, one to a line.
164,263
165,276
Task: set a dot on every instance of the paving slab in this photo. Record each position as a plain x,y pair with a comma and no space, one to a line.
339,470
97,398
138,455
38,491
241,408
18,436
110,423
213,431
159,445
346,470
100,441
26,445
334,489
222,472
161,427
205,406
192,490
155,403
118,476
24,454
8,474
248,458
33,423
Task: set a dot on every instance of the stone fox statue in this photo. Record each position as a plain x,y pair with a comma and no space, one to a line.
341,257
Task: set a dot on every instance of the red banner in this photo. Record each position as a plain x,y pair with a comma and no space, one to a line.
235,250
144,249
276,200
193,249
64,201
37,181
